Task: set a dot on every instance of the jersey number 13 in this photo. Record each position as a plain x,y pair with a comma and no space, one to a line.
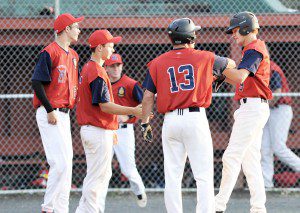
189,82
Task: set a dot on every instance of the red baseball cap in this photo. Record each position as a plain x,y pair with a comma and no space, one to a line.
114,59
64,20
102,37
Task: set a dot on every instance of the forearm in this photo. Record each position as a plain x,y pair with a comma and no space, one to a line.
116,109
148,102
235,75
39,90
227,80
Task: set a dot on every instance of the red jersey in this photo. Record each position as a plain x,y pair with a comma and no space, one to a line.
285,86
62,90
258,85
183,78
87,113
123,93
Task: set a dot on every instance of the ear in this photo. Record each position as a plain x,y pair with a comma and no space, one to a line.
68,28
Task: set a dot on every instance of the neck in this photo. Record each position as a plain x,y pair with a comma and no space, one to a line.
181,46
250,38
63,42
97,58
113,79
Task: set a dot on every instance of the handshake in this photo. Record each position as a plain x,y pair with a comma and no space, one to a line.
145,127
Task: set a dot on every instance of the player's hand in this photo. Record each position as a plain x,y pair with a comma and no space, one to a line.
138,111
52,119
147,132
122,118
219,80
115,138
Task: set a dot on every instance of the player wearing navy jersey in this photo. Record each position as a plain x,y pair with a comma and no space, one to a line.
182,79
277,129
55,82
126,92
251,79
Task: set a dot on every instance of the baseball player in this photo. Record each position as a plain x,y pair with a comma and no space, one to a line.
252,91
277,128
126,92
182,79
96,114
55,83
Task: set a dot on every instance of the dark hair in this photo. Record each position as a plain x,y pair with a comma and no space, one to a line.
93,49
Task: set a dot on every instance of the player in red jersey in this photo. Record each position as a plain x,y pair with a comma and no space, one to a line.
252,91
182,79
277,128
126,92
55,82
97,115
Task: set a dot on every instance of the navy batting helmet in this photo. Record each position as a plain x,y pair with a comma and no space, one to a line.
246,21
182,31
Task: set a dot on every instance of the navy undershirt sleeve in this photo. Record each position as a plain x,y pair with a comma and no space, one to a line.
220,65
100,93
148,83
137,93
251,61
275,81
42,70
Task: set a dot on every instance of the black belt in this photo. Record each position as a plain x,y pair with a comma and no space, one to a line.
123,126
261,99
65,110
191,109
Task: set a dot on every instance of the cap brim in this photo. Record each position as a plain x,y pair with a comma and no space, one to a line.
197,28
111,63
229,30
79,19
115,40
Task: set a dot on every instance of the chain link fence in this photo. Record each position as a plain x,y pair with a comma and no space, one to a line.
26,27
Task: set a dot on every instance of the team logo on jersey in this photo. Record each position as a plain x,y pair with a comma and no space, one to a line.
62,76
74,62
121,91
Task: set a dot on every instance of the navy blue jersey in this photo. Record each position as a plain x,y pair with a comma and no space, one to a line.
100,92
251,61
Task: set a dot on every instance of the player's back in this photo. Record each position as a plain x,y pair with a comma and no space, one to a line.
183,78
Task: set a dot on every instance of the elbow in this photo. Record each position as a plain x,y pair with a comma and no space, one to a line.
104,107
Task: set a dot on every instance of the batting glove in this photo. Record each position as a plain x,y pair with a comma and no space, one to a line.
147,132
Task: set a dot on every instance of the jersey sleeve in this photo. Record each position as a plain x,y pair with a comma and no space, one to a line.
137,93
275,81
251,61
148,83
100,93
220,64
43,67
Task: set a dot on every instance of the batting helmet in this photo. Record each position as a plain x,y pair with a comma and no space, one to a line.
182,31
246,21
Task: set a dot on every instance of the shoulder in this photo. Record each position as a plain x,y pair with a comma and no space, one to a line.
51,49
128,79
205,54
158,59
73,52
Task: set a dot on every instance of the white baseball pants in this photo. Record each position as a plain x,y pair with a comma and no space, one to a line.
185,134
125,150
244,151
98,145
274,142
57,142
